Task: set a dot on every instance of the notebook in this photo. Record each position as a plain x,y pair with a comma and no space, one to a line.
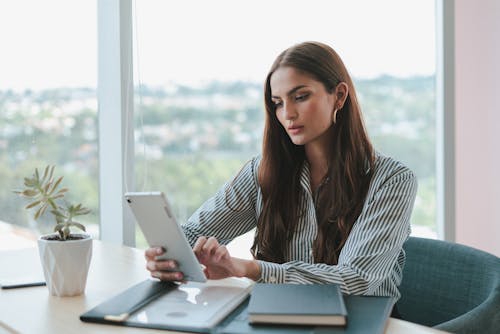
297,304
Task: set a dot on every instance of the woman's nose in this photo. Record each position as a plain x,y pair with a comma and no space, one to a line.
289,111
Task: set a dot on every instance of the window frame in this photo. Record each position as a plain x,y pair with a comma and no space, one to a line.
115,114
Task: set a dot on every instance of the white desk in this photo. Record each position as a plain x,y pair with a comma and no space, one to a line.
112,270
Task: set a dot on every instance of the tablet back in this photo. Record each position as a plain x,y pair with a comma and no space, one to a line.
160,228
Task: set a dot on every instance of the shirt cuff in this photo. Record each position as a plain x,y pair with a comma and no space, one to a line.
271,272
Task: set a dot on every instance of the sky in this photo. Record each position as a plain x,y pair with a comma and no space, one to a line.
53,43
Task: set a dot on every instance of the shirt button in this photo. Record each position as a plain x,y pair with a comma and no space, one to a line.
272,279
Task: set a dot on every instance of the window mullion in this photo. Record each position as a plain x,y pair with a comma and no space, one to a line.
115,96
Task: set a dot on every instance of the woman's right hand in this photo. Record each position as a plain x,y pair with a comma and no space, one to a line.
165,270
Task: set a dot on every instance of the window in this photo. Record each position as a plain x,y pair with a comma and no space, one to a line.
48,107
199,69
200,66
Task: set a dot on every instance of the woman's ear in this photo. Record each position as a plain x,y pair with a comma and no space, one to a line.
341,92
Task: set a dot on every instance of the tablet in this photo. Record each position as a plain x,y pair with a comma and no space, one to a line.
160,228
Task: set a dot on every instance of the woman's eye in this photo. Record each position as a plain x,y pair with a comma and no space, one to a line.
277,104
301,97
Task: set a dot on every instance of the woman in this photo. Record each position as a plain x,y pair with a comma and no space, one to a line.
327,208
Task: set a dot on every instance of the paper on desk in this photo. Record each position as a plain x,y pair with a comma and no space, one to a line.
20,267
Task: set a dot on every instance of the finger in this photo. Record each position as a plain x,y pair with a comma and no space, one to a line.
211,246
167,275
152,252
207,274
199,244
165,265
221,253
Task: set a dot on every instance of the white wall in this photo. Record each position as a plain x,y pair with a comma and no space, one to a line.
477,124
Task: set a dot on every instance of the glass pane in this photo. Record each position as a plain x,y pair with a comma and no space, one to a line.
200,67
48,108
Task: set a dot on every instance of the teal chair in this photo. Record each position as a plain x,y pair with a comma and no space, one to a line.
450,287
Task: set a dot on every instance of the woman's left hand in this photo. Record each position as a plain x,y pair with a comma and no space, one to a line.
220,264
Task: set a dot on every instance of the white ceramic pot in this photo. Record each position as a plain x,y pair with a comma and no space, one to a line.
65,264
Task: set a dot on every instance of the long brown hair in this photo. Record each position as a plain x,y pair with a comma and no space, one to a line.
339,202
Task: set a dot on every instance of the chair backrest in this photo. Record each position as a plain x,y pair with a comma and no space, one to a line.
450,286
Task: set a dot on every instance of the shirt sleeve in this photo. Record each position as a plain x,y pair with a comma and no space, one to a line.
230,213
372,250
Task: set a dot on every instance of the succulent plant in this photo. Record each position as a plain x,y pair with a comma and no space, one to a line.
46,194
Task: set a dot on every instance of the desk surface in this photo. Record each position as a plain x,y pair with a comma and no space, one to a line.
113,269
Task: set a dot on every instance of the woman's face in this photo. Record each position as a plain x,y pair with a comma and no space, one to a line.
303,106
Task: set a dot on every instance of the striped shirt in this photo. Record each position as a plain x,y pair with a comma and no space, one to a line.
372,259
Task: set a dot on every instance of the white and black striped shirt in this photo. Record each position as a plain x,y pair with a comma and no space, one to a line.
372,259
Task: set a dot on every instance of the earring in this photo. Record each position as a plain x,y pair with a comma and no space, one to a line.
334,116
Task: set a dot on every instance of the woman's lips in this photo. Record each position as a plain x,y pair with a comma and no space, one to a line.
295,129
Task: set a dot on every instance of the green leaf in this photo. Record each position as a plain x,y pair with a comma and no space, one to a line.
46,187
56,184
45,173
52,203
83,211
62,190
29,183
51,172
32,205
40,211
78,225
29,193
78,210
58,214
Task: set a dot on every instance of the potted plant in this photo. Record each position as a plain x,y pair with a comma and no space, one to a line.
65,256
